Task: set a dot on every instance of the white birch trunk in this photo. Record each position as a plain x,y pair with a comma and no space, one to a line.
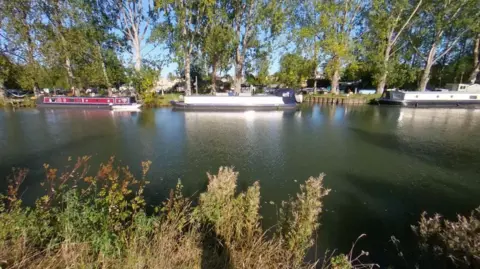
476,61
428,67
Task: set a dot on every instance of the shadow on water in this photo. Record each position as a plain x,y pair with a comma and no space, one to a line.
367,207
35,160
434,154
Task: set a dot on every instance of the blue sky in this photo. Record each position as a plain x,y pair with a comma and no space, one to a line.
153,52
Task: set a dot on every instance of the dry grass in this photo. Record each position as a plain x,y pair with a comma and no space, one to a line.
104,225
457,241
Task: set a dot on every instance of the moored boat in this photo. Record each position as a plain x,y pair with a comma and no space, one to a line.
464,96
129,107
283,99
113,103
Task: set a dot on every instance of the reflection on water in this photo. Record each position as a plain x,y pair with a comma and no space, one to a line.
385,165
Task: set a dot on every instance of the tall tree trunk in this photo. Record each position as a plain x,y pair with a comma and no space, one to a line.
476,60
102,62
238,71
335,81
138,55
31,61
315,67
68,67
188,86
214,76
428,68
383,78
425,78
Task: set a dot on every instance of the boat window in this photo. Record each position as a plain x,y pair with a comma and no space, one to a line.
451,96
438,96
462,87
416,96
473,97
71,100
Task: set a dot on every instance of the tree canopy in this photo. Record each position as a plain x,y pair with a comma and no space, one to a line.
410,44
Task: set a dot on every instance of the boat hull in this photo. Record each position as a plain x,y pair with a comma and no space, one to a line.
183,106
131,107
265,102
430,103
86,102
106,107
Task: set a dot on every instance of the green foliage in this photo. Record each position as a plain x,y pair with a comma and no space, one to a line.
144,80
341,262
217,44
235,219
298,218
86,221
294,70
40,37
152,99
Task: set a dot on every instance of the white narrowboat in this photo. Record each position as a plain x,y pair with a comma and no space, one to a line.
457,95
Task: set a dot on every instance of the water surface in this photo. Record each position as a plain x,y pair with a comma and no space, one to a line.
384,165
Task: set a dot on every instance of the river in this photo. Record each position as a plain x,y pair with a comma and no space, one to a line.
385,165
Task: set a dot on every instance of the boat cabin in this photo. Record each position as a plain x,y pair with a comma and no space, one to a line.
461,87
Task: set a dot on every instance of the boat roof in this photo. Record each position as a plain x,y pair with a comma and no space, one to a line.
438,92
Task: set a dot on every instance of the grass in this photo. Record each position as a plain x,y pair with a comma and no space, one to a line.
451,242
99,220
158,100
104,223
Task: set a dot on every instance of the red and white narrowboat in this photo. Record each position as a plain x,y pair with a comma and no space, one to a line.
112,103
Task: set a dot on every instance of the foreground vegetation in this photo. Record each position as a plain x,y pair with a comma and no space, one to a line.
101,221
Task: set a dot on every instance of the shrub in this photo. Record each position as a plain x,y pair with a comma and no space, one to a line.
457,241
299,218
92,221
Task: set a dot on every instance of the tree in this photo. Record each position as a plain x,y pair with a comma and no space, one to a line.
101,20
476,59
259,67
340,21
388,19
248,18
440,27
218,46
180,29
134,21
304,27
20,21
294,70
60,17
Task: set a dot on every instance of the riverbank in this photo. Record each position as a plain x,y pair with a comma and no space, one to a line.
18,103
342,99
100,220
152,100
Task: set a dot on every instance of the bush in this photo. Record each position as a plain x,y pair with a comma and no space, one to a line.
454,241
151,99
92,221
